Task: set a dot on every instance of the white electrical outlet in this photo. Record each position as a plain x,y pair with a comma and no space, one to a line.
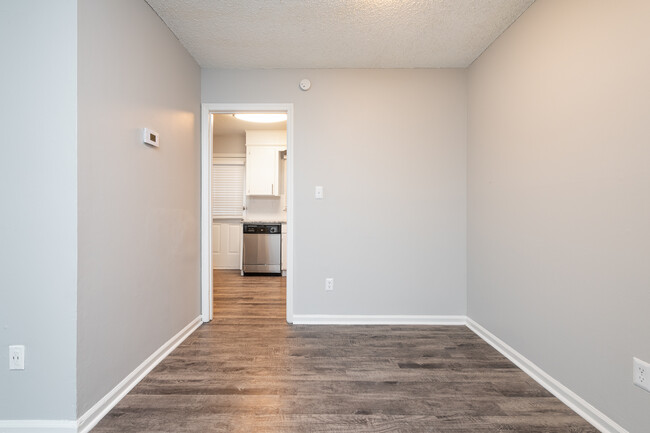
318,193
329,284
641,374
16,357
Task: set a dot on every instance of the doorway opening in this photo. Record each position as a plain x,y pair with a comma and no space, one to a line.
247,186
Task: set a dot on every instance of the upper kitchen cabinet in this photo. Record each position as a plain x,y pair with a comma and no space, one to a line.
262,174
263,162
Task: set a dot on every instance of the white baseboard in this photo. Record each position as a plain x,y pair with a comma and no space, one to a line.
89,419
38,426
592,415
336,319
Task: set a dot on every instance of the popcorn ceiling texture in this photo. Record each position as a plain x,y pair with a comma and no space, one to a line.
250,34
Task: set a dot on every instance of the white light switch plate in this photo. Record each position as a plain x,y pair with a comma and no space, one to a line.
318,193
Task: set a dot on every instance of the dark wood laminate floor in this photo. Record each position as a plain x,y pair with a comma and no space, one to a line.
248,371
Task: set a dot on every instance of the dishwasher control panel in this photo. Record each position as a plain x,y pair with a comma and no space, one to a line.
262,228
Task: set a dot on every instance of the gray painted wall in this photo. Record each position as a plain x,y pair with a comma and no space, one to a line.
38,186
138,206
559,183
389,148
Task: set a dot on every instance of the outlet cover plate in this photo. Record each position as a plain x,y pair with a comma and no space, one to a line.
16,357
641,374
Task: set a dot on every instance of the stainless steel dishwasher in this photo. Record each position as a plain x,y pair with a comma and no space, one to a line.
262,249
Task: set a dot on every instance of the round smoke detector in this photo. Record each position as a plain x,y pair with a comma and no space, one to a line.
305,84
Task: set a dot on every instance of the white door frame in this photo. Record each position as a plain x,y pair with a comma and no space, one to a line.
206,198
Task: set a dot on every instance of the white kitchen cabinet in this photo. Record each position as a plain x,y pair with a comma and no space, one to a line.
262,170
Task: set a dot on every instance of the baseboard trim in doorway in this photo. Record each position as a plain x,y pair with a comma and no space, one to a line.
89,419
336,319
38,426
580,406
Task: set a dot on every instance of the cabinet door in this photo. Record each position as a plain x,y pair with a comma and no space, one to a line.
262,170
226,244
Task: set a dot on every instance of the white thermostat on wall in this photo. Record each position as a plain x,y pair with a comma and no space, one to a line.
150,137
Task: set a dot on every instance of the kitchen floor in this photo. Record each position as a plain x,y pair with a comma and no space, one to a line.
249,371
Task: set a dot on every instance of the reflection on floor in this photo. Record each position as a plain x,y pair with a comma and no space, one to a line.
248,371
249,299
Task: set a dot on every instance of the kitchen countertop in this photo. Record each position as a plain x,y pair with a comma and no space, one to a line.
264,221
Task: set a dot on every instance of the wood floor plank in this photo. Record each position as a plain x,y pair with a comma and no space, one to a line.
249,371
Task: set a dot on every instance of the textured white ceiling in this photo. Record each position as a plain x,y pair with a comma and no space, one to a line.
247,34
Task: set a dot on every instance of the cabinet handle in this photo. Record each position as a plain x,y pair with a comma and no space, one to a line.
271,189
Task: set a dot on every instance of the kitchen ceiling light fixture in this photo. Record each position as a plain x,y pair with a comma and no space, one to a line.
262,117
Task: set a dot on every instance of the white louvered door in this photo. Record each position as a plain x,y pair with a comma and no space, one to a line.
228,176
